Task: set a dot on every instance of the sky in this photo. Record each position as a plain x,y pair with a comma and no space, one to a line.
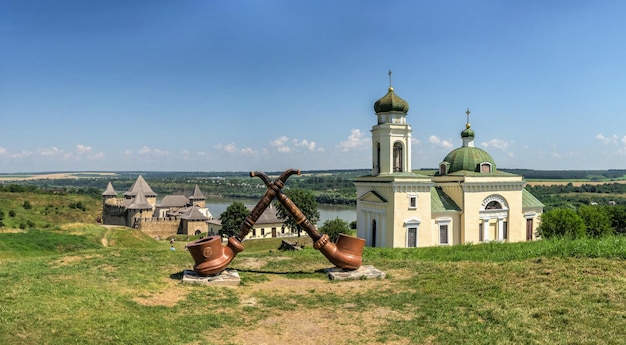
191,85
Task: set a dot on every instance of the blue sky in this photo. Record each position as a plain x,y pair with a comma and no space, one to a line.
270,85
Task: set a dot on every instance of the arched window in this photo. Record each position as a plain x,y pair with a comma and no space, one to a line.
397,157
377,167
373,232
493,205
485,167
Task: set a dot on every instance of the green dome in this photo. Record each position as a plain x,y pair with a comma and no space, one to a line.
467,133
391,102
468,158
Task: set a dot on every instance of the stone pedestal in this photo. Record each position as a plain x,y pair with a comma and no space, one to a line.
363,272
227,278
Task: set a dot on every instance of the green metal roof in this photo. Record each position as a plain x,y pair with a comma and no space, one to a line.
440,201
529,200
468,158
391,102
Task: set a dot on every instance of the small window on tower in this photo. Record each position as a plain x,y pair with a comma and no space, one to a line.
412,202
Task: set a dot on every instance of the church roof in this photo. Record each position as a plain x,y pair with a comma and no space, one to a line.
139,202
391,102
109,191
529,200
440,201
468,159
142,185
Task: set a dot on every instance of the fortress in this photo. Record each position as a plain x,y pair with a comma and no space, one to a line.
174,214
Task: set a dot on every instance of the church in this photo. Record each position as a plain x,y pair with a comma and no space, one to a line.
467,200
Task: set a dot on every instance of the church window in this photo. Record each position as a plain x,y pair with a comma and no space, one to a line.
377,167
397,157
373,232
262,231
412,202
480,232
411,241
505,231
485,167
443,234
253,232
442,169
493,205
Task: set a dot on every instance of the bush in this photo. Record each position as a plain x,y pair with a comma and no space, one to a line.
561,222
334,227
27,205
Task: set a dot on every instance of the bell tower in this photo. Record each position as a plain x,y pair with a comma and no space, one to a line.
391,136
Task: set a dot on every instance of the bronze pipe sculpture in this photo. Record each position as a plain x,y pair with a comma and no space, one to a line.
345,253
212,258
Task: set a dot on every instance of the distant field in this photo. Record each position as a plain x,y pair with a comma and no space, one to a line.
565,182
53,176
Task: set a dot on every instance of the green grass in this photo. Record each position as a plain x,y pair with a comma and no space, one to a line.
48,210
64,286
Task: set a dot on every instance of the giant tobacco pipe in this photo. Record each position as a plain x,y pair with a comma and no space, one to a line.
212,258
345,253
209,254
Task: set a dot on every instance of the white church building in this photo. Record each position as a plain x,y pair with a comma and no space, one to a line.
466,201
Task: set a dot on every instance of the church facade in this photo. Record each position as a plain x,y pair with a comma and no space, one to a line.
466,201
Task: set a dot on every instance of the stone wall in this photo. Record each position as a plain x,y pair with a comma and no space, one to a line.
159,227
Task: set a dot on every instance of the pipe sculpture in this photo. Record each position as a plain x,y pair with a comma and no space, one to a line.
212,258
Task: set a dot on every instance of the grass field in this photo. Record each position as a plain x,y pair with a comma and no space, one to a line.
86,284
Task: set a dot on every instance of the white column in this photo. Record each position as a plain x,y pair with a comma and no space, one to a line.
501,229
486,230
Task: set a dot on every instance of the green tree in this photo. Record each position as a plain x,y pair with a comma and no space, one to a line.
12,213
561,222
334,227
597,220
305,200
617,213
27,205
232,218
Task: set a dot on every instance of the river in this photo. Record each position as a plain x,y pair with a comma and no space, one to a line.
327,212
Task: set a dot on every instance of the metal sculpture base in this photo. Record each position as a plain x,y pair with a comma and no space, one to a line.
228,277
363,272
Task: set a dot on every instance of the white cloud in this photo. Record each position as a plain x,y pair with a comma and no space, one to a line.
279,141
440,143
608,140
52,151
310,145
496,144
97,156
3,151
144,150
356,140
82,148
